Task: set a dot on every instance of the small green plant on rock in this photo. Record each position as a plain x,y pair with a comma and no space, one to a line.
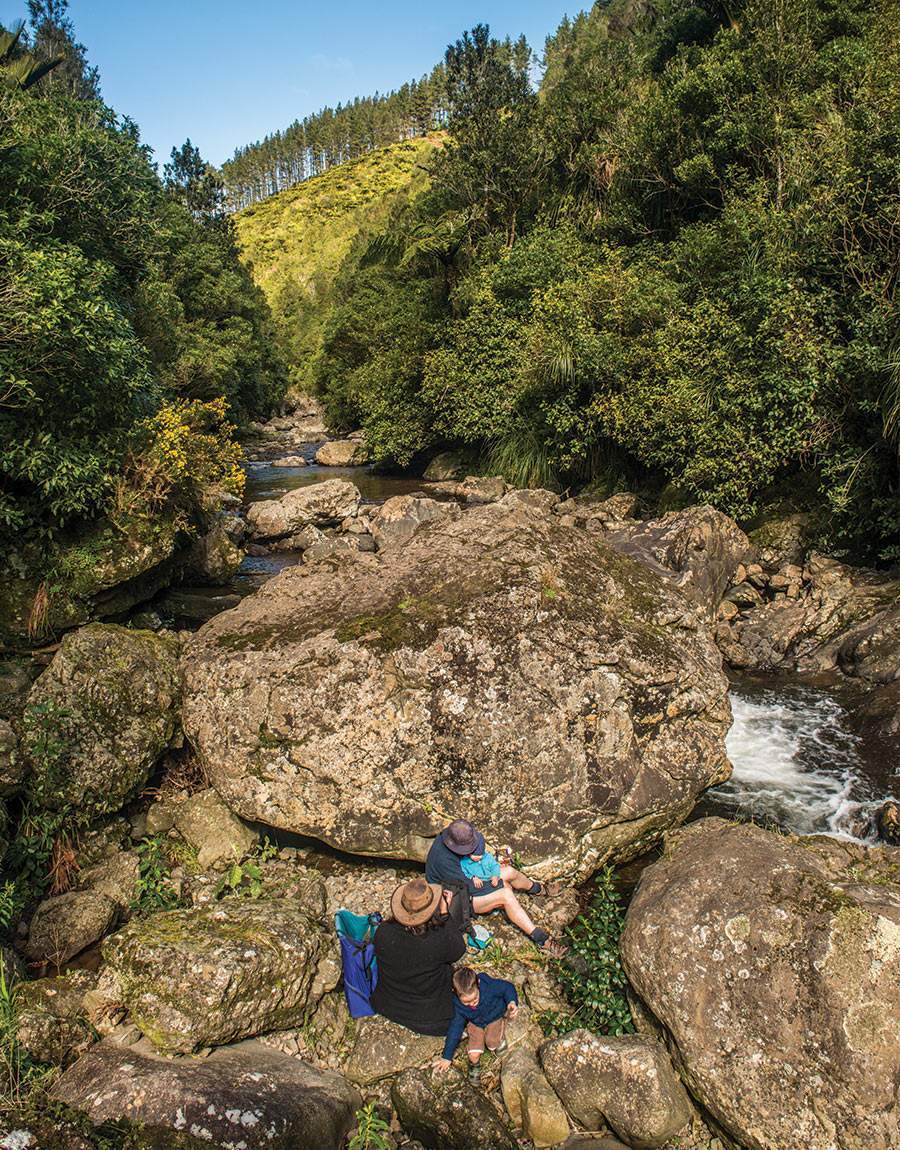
246,877
18,1073
155,889
592,977
371,1130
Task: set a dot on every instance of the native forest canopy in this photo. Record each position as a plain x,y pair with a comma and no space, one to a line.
672,263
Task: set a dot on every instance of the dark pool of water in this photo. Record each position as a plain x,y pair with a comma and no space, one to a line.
267,482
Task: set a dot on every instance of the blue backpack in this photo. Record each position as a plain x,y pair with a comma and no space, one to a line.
356,933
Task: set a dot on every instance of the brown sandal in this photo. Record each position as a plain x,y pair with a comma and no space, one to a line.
548,890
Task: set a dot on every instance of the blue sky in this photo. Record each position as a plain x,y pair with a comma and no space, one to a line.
227,73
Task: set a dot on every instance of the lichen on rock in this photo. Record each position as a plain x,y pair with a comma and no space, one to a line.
108,707
245,1096
774,965
220,972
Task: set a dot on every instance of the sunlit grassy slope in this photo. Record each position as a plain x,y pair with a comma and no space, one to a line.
298,240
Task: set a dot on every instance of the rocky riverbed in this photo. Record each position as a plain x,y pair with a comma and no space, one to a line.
558,670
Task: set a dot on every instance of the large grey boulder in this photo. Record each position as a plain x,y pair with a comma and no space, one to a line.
531,1101
221,972
115,876
66,924
700,547
216,556
538,498
474,489
123,570
774,965
208,825
445,1113
246,1096
110,700
448,465
500,664
627,1081
399,518
318,505
382,1049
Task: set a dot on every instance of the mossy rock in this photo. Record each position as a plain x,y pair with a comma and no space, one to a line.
100,574
773,963
222,972
499,664
100,716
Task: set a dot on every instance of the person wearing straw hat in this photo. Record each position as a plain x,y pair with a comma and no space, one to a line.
461,840
415,950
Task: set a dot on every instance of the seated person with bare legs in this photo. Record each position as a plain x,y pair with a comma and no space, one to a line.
460,840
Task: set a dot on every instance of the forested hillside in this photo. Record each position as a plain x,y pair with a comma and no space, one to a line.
674,265
311,146
298,241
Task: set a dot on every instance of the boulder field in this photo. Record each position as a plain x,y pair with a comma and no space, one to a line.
552,669
499,664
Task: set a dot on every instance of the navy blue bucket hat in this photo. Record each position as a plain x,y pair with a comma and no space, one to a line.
462,838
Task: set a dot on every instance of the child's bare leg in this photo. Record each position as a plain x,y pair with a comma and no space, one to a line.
495,1035
520,881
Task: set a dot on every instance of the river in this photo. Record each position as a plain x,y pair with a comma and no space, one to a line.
798,763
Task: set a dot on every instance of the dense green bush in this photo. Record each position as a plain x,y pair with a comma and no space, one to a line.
592,977
691,280
116,299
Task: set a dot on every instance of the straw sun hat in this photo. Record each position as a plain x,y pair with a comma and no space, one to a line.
414,902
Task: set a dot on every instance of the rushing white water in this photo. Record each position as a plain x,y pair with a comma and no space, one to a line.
796,763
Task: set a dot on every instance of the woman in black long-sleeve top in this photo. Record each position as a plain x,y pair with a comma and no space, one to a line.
415,952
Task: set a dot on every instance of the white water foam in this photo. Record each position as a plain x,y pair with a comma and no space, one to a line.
796,763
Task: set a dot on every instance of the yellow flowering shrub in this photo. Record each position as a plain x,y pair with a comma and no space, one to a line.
185,448
192,445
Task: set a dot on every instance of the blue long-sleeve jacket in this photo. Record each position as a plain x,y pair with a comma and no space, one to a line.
495,994
443,866
486,869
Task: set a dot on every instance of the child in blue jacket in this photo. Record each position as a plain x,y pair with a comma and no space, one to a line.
481,1006
481,868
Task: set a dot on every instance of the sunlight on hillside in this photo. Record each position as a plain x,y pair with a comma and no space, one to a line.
297,240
